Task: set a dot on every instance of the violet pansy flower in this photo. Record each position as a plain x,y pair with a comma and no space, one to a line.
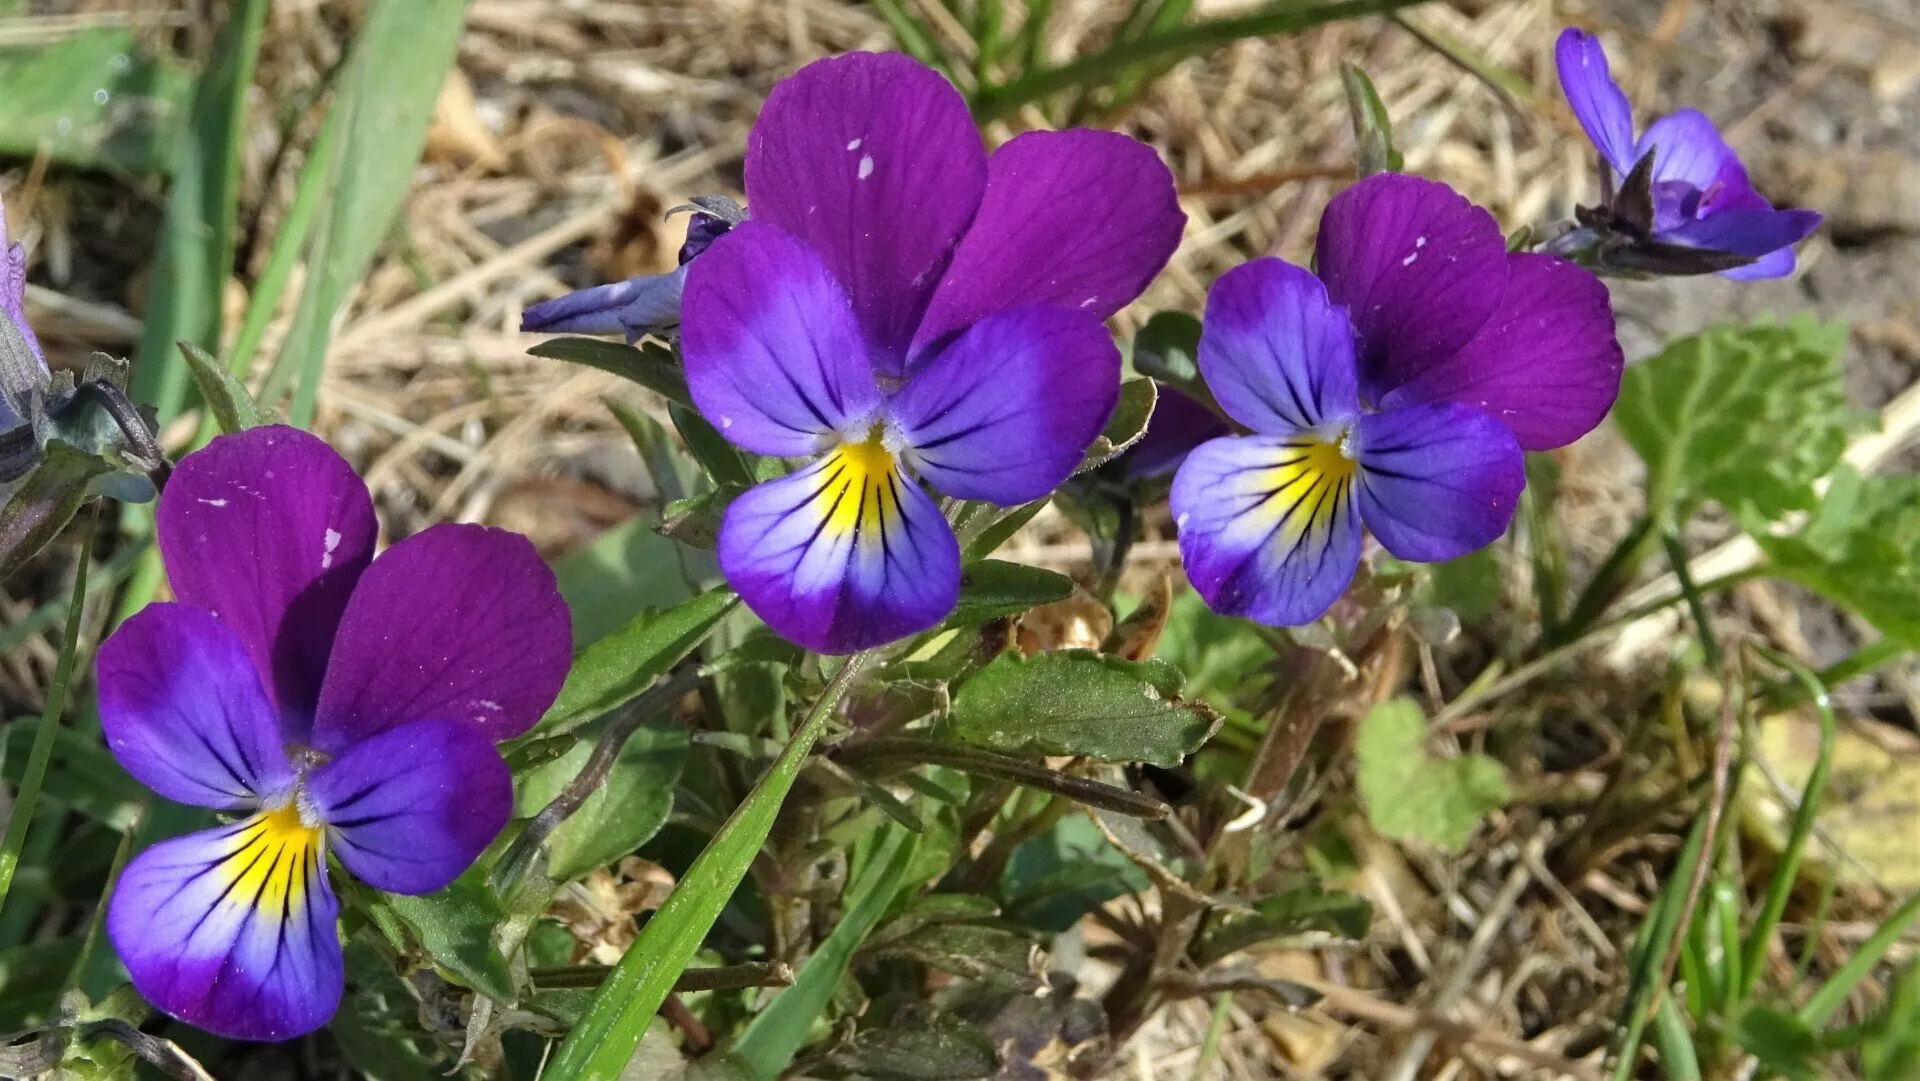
1396,389
1698,196
648,304
902,307
341,705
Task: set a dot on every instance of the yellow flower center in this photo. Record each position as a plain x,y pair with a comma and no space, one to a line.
274,860
1308,485
860,488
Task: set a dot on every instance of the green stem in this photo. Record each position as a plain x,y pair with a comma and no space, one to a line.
1677,557
43,736
1000,767
1787,872
1616,573
599,1046
994,102
1791,692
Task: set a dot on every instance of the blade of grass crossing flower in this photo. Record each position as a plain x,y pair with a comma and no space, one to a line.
42,753
1187,40
777,1032
599,1046
400,59
196,243
1787,872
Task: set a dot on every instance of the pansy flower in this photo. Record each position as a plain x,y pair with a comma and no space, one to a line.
335,703
1691,193
1396,389
902,307
648,304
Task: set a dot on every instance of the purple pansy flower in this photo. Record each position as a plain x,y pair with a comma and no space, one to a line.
1398,388
1178,425
649,304
903,307
32,373
1700,196
340,704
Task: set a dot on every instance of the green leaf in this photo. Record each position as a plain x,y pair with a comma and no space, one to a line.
234,410
1001,954
1782,1042
630,567
1372,130
1082,703
455,926
398,63
195,253
1167,348
613,671
777,1032
724,463
1409,793
1860,548
1891,1048
1004,526
44,502
937,1048
94,98
1306,907
695,522
1126,427
1061,875
652,365
991,588
1741,414
599,1047
623,814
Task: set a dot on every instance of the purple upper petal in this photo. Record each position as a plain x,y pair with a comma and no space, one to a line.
1007,411
774,355
1275,352
183,711
13,291
269,529
1268,526
1688,149
1178,425
844,555
409,809
1418,268
232,929
456,623
1078,219
1437,481
1597,101
635,307
1547,365
873,161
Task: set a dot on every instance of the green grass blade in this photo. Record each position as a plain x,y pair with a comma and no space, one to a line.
1675,1042
1828,999
1290,18
777,1032
196,243
1787,871
43,736
400,59
599,1046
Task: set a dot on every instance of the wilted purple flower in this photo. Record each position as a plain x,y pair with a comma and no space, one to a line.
23,372
1695,193
340,703
1397,389
648,304
903,307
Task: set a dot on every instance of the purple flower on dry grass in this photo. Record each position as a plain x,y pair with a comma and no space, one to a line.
1398,389
649,304
340,704
1678,195
903,307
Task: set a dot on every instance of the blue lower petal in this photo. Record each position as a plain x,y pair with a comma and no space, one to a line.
1268,526
1437,481
844,555
232,929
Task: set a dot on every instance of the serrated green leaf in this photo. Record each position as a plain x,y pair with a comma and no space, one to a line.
1860,548
1741,414
1082,703
991,588
623,814
653,366
613,671
234,410
1410,793
455,927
